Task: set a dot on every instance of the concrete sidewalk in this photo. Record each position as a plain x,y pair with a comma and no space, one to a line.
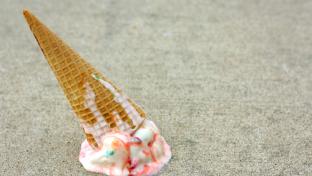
228,82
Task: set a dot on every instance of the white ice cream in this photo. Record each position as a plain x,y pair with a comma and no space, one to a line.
143,153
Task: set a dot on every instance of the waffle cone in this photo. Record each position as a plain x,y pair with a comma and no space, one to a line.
97,102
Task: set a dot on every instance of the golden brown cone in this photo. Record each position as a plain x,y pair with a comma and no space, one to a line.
77,79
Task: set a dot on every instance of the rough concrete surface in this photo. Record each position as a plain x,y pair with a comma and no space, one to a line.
229,83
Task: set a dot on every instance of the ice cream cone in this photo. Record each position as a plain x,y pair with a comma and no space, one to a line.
96,101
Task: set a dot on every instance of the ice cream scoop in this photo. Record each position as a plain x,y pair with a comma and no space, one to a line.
142,153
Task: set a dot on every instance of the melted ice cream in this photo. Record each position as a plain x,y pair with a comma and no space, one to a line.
143,153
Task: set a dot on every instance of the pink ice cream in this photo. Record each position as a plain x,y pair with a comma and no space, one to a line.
142,153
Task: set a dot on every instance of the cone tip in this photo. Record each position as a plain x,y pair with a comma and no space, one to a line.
28,16
26,13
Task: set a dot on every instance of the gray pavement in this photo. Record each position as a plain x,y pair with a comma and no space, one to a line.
229,83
